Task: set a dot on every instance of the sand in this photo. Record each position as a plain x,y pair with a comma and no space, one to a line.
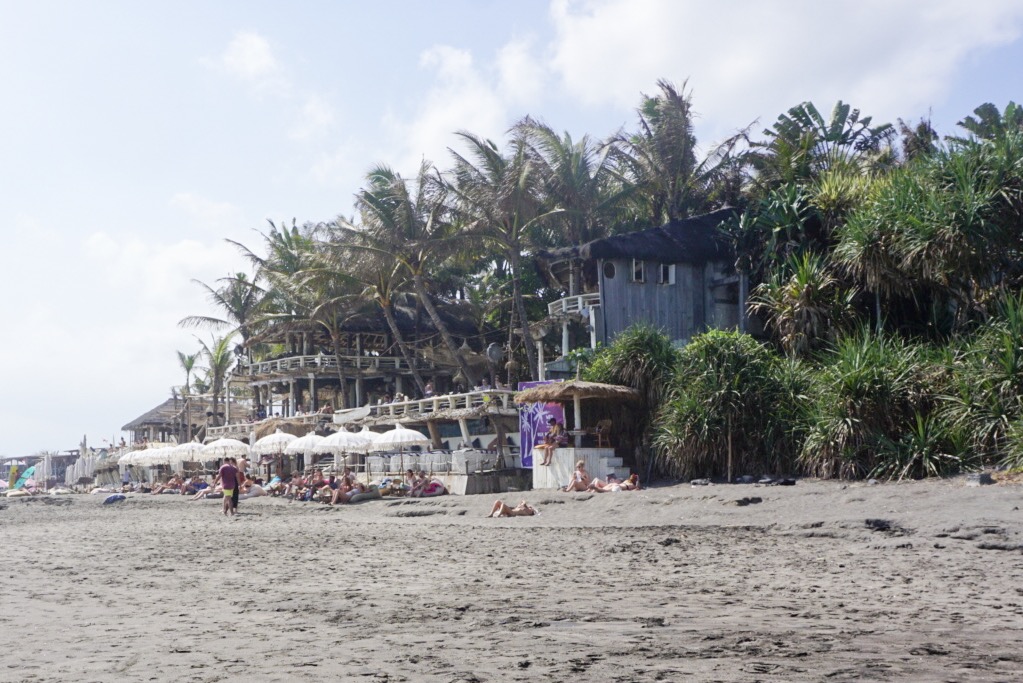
671,583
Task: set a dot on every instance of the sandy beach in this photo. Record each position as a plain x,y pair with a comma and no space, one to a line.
819,581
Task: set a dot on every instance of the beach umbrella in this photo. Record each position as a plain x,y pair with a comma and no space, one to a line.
310,443
400,437
343,441
25,477
273,444
225,448
188,450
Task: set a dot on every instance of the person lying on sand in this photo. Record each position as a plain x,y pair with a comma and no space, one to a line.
500,509
209,492
580,478
613,485
348,487
250,489
193,486
173,485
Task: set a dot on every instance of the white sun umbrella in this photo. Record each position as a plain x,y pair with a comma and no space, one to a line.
272,444
310,443
342,442
400,437
224,448
188,450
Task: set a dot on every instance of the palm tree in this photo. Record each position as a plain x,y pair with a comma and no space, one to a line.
660,162
578,178
218,357
382,277
241,301
187,363
497,198
406,221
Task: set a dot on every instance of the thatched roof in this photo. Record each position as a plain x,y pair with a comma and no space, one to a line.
692,240
292,426
166,414
569,390
411,319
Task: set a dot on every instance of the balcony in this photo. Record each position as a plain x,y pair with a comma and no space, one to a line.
573,305
327,363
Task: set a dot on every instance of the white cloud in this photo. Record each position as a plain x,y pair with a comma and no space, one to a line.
213,217
249,57
316,117
522,76
461,98
889,59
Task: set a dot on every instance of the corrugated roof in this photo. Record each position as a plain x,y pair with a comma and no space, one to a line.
692,240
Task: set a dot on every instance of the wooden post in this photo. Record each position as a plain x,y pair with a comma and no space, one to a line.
729,450
431,425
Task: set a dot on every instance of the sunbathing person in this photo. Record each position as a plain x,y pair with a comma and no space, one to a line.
193,486
580,478
523,509
250,489
209,492
613,485
428,487
347,488
173,485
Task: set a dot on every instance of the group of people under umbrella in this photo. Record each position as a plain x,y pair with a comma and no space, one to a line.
339,444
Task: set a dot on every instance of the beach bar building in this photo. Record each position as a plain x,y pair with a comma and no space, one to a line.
679,278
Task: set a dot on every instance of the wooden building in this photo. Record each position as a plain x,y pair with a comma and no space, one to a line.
679,278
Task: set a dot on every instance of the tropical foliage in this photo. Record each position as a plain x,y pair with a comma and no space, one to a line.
883,262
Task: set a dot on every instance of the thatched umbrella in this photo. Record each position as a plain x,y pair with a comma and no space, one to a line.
274,444
224,448
343,442
576,390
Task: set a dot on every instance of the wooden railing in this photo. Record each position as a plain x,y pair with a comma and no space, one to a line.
328,362
573,304
420,409
424,407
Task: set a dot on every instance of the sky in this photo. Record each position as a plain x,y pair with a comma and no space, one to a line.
137,137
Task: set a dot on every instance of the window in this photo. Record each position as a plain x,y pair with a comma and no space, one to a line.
638,271
609,270
667,276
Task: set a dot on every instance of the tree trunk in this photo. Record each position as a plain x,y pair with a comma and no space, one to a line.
402,346
335,341
520,306
470,376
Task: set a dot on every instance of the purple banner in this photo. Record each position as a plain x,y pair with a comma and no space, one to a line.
533,422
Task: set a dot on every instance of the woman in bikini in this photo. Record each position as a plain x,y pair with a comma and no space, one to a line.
580,478
613,485
500,509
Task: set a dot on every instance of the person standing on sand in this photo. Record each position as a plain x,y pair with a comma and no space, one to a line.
243,465
228,478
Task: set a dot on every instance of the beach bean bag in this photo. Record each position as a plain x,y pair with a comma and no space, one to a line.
434,488
18,493
373,493
117,497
